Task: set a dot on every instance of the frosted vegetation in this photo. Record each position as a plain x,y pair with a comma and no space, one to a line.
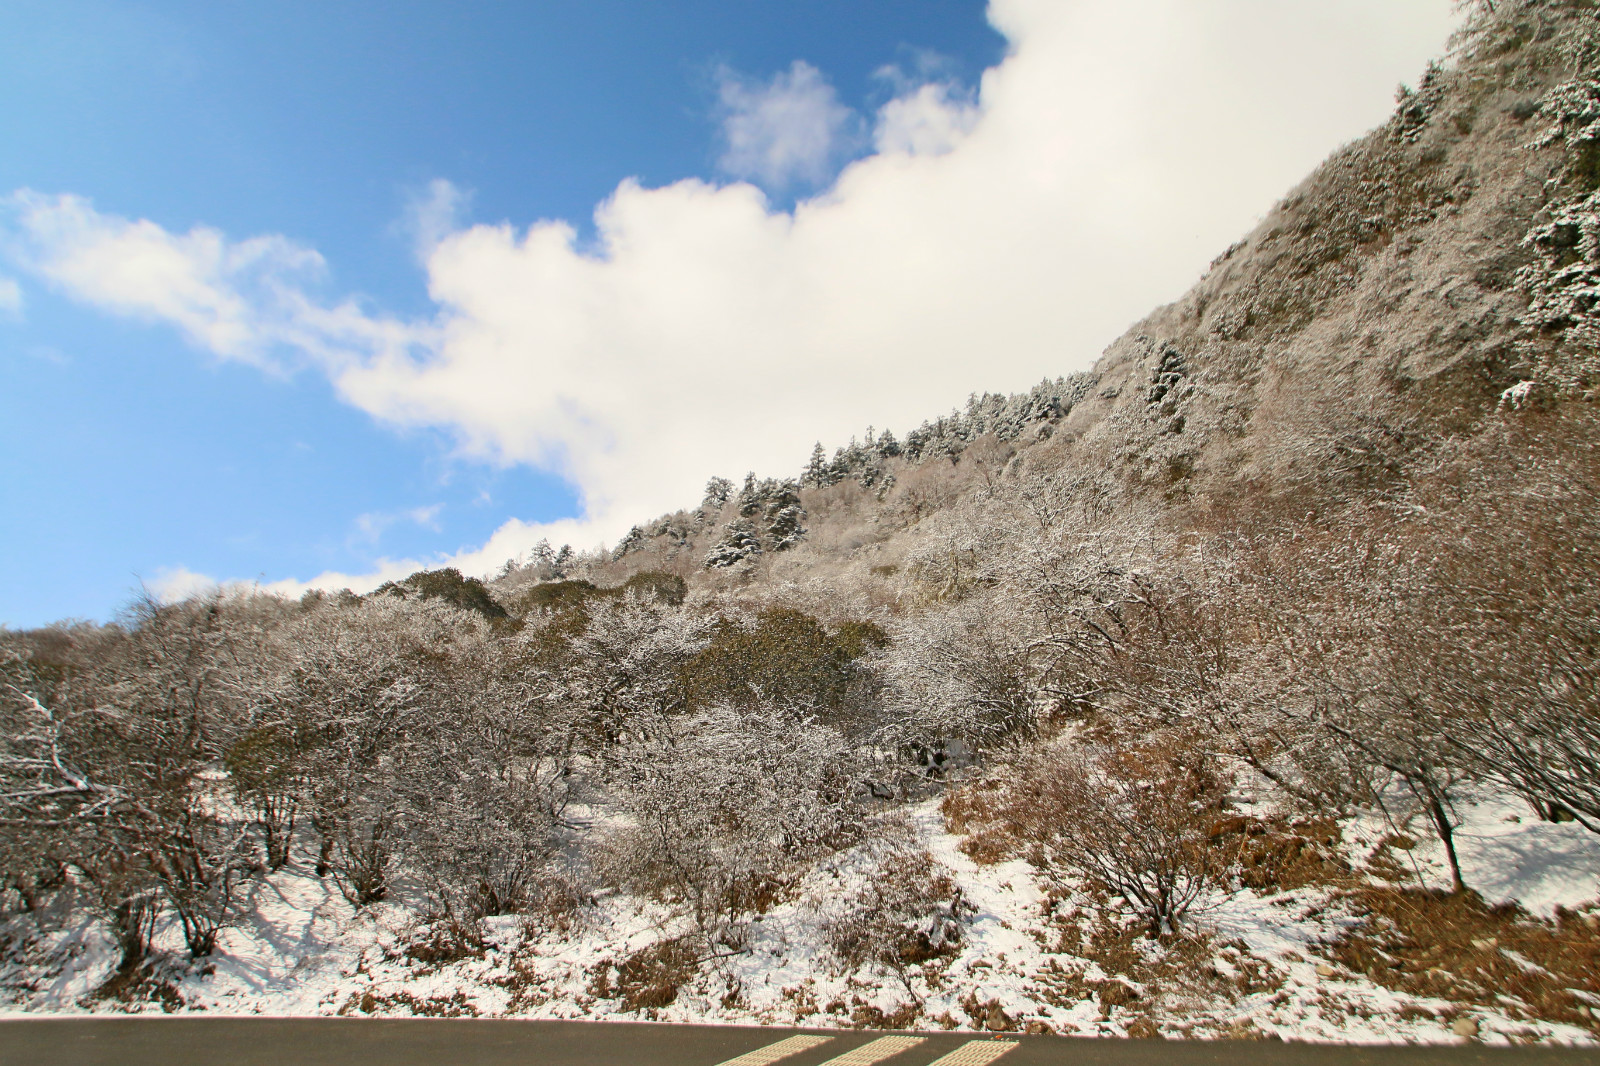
1245,685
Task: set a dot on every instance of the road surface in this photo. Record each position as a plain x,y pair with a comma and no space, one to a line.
190,1041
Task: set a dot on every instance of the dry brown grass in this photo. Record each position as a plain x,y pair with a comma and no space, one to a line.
1454,947
650,978
866,1016
455,1005
981,811
1281,853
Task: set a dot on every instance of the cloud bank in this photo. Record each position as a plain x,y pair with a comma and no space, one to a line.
988,240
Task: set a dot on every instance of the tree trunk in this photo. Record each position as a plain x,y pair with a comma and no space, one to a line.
1447,837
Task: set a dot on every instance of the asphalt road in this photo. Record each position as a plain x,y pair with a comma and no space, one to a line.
146,1041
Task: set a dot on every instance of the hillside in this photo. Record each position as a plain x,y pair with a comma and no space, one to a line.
1242,686
1382,305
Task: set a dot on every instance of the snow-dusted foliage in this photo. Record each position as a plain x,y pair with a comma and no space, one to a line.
739,542
1564,279
1006,417
108,737
1245,685
725,808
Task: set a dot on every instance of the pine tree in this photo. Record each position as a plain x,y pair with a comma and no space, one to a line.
718,492
817,470
739,541
749,496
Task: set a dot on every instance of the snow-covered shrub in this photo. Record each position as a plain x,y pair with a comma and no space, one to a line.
726,808
109,737
482,800
363,682
1503,583
201,862
904,912
480,843
962,680
265,768
621,670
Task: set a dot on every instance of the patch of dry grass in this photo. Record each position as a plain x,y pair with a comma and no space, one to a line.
1455,947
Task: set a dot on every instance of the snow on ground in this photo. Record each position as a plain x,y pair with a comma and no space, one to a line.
1263,969
1508,855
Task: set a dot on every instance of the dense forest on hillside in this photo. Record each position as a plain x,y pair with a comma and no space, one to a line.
1305,570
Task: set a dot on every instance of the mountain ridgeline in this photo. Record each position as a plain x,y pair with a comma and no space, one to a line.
1385,305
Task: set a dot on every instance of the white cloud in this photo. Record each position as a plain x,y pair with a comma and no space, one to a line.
790,129
173,583
433,214
10,298
242,300
371,526
984,245
929,119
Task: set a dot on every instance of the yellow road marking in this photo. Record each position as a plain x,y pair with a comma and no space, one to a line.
975,1053
765,1056
875,1051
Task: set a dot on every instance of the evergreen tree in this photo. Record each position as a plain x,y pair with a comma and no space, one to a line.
749,496
718,491
817,470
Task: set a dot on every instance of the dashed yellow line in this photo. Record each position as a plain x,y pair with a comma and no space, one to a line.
766,1056
875,1051
975,1053
972,1053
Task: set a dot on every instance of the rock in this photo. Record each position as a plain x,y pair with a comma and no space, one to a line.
1465,1027
1486,944
1115,994
1324,970
996,1021
1037,1028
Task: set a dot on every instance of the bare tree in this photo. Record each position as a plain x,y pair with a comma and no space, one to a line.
1131,820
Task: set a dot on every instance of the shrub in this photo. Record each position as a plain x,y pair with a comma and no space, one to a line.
726,809
905,913
669,589
784,656
1132,822
465,593
556,596
265,767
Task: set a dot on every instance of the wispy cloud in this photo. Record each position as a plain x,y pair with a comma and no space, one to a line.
432,214
787,130
370,527
11,302
251,301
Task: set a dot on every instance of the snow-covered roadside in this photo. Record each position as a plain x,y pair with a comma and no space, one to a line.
1262,969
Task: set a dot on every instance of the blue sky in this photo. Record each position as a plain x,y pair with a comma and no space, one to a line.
282,296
